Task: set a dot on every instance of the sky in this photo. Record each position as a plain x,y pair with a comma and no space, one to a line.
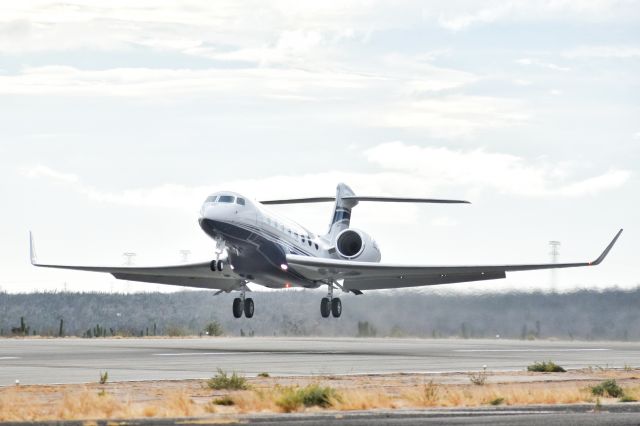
118,118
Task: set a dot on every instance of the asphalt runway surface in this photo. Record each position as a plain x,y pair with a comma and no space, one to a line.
50,361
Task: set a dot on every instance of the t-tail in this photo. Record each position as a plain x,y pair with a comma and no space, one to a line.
342,211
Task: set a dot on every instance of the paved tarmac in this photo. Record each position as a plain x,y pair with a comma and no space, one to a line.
49,361
561,415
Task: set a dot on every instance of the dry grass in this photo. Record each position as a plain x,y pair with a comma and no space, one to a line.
285,394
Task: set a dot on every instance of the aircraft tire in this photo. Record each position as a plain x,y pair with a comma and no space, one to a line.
220,265
213,266
248,307
325,307
336,307
237,307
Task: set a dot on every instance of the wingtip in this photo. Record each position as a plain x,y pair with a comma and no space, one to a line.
607,250
32,250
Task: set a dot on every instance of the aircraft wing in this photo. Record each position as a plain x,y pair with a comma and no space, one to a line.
370,276
197,275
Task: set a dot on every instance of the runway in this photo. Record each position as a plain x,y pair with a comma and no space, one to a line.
50,361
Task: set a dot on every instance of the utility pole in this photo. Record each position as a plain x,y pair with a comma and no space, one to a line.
129,256
185,255
554,259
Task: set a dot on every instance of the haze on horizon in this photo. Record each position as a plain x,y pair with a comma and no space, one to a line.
118,119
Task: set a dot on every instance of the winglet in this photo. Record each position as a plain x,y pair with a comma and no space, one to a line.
32,250
606,251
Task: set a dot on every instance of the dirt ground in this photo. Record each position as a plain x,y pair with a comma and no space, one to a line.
150,399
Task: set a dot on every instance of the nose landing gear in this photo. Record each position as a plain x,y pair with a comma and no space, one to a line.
330,305
218,265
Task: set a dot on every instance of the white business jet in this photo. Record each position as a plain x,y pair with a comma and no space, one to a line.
256,245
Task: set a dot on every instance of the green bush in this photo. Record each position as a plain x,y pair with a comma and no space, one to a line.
628,398
497,401
608,387
309,396
224,400
263,374
223,381
546,367
104,377
214,328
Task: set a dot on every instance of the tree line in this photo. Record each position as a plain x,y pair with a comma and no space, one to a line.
582,314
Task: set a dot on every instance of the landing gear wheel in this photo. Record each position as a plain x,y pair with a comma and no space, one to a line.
214,265
220,265
237,307
248,307
325,307
336,307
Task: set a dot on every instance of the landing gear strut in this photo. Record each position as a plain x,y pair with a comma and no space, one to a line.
330,305
218,265
242,305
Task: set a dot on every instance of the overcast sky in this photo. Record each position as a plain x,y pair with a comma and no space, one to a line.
118,118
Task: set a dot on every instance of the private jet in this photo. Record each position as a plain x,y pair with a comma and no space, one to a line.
256,245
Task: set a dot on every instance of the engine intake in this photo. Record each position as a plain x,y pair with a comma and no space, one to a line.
353,244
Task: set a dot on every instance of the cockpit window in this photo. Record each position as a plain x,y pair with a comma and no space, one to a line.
226,199
240,201
211,199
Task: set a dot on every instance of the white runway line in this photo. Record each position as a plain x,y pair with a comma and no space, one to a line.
9,357
198,353
534,350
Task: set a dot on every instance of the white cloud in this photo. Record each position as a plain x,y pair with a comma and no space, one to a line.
456,15
606,52
555,92
165,83
481,170
40,171
454,115
405,170
542,64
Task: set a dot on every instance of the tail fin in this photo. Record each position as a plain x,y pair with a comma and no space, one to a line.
342,211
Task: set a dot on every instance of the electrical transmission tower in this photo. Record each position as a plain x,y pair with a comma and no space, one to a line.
554,259
185,255
129,258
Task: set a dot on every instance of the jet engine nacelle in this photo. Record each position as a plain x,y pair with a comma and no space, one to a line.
353,244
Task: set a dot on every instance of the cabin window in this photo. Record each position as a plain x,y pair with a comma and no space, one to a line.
316,246
309,243
240,201
226,199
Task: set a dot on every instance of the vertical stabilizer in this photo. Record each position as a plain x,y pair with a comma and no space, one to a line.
341,212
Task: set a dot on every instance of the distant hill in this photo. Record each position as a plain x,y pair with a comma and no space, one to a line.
585,315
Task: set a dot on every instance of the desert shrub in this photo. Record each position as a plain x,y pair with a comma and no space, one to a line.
214,328
546,367
223,381
224,400
104,376
176,331
497,401
479,378
608,388
263,374
309,396
628,398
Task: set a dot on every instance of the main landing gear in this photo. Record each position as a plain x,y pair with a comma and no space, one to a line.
330,305
242,305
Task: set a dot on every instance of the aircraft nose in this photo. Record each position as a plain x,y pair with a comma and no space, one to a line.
217,212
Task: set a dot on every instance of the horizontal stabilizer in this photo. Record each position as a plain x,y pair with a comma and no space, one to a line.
359,198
